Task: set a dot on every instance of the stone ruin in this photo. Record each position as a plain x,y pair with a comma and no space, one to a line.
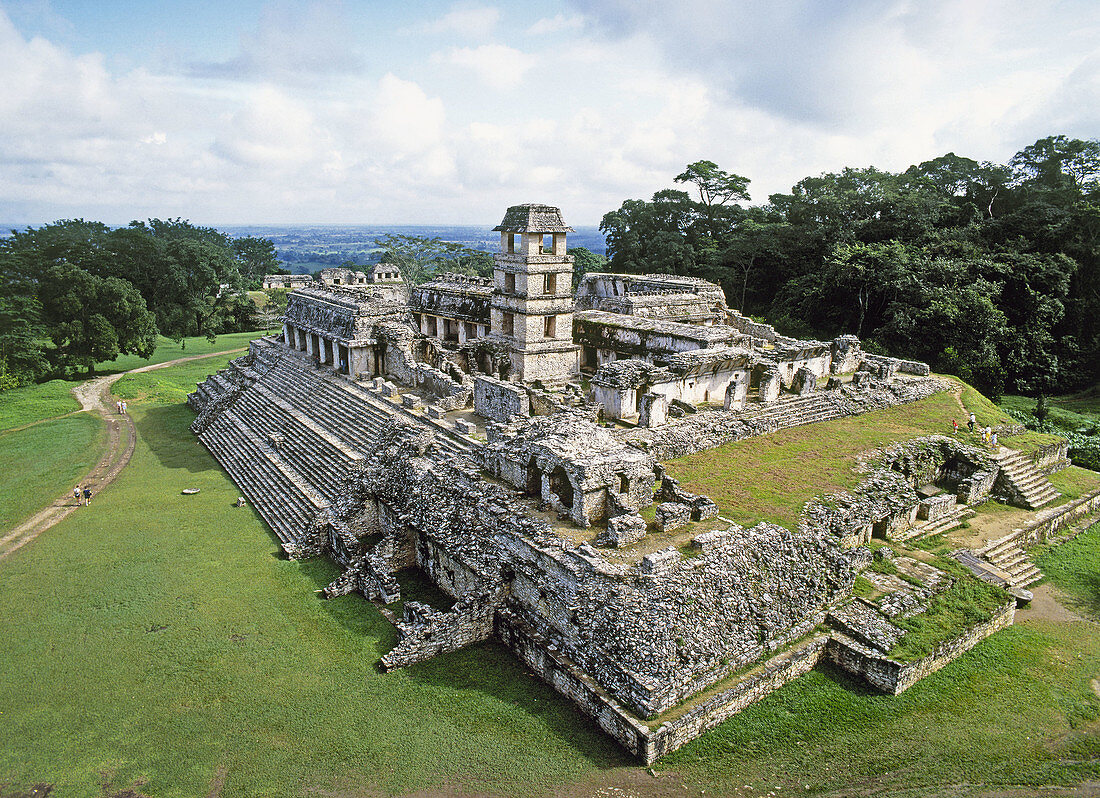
504,437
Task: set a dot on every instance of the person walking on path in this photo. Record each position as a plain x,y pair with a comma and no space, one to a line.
123,407
970,422
993,440
118,404
87,495
76,495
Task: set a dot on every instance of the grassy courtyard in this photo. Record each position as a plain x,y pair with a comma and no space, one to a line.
161,643
772,477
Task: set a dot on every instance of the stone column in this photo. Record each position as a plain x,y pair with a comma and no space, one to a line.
286,334
769,386
737,392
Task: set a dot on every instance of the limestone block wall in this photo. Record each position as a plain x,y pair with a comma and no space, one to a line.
658,632
500,401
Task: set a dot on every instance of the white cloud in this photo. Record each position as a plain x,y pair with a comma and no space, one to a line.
270,131
471,22
496,65
556,24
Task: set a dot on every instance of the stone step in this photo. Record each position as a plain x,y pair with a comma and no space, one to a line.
1019,470
281,497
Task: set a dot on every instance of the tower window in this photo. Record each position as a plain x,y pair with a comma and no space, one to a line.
551,284
508,323
510,282
551,327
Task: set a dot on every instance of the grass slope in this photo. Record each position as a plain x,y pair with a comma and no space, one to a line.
42,462
32,403
167,349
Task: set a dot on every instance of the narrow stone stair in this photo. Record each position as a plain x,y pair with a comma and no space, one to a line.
1033,487
1007,555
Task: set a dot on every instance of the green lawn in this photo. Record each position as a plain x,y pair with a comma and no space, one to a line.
32,403
1074,482
1074,567
168,349
770,478
42,462
1072,412
170,385
1018,709
162,638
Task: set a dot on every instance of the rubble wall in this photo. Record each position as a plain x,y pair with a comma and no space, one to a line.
895,677
710,428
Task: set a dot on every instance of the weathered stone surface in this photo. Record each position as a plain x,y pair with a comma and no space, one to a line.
339,470
671,515
623,530
805,382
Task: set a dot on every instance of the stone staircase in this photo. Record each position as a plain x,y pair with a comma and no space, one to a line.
792,412
285,499
946,523
1033,487
292,433
1007,555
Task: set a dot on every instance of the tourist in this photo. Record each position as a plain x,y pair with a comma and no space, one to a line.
118,404
123,407
993,440
87,496
987,434
954,426
971,422
76,495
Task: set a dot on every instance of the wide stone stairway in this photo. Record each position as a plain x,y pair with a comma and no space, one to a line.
1007,555
290,432
818,406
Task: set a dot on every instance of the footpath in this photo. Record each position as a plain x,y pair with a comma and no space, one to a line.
94,396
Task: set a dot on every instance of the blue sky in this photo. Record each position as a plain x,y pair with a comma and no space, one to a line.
441,112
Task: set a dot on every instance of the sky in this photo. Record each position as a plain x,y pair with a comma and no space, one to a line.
425,112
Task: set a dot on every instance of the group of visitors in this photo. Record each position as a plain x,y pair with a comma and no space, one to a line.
82,495
988,435
121,405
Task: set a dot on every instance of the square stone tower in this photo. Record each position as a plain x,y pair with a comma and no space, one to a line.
531,310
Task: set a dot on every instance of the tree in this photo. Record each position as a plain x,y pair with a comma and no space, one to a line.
585,261
719,191
92,319
255,258
1059,163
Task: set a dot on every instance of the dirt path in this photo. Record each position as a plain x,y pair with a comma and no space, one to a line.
93,396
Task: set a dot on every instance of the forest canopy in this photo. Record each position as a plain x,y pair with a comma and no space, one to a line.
74,293
988,271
